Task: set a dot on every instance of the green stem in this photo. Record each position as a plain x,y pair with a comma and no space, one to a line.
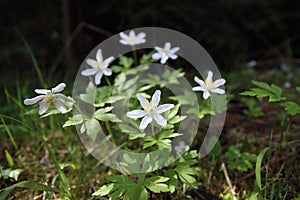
107,125
141,178
134,56
107,81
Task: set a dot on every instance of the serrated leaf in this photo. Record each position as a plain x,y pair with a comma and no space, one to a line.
292,108
177,119
104,190
171,113
92,128
89,96
157,184
108,117
173,179
73,121
185,175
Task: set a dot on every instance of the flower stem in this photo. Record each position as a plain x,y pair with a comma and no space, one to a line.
107,81
134,56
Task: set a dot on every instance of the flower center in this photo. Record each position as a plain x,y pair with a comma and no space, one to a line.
131,38
49,99
150,107
208,84
165,51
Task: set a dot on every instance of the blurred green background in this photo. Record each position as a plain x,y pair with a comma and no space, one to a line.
232,31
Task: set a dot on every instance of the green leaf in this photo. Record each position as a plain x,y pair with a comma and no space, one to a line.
173,179
89,96
273,92
171,113
177,119
156,184
92,128
11,173
108,117
298,89
136,192
292,108
9,159
104,190
125,61
258,167
185,175
73,121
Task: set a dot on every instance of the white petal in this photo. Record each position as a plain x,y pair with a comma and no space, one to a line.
99,56
219,82
198,88
125,42
43,107
200,82
141,35
60,87
123,35
174,50
160,120
206,94
173,56
60,106
91,62
88,72
107,72
164,59
163,108
217,90
136,114
98,77
33,100
108,61
41,91
209,77
156,97
159,49
167,45
144,102
145,121
61,96
156,56
131,34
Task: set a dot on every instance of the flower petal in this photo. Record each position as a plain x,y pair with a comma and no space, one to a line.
91,62
123,35
136,114
107,72
60,106
209,77
41,91
125,42
99,56
107,61
164,59
219,82
60,87
217,90
144,102
206,94
156,97
160,120
33,100
131,34
173,56
141,35
198,88
145,121
200,82
98,77
63,97
167,45
43,107
156,56
163,108
174,50
88,72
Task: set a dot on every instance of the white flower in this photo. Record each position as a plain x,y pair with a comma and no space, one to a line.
50,97
99,67
251,63
132,39
209,86
151,110
165,53
181,146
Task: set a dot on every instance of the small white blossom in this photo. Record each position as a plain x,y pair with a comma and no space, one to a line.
132,39
151,110
165,53
251,63
99,67
287,84
50,97
284,67
209,86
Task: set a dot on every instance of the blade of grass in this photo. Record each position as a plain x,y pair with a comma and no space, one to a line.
33,59
9,134
258,168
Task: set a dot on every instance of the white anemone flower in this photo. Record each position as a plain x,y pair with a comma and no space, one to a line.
99,67
151,110
132,39
50,97
165,53
209,86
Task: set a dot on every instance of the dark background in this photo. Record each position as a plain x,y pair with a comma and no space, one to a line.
232,31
